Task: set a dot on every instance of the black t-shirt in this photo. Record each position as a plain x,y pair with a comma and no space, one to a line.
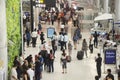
110,76
118,73
99,61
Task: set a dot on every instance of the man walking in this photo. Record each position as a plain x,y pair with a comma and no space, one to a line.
98,65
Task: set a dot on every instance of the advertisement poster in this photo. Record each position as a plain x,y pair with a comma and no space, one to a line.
50,32
110,56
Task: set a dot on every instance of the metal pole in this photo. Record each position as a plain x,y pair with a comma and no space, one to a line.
21,26
113,31
31,7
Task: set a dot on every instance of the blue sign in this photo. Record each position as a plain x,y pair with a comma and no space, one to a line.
110,56
50,32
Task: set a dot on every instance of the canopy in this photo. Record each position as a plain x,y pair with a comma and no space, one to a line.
104,16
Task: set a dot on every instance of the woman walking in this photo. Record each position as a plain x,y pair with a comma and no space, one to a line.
84,47
64,62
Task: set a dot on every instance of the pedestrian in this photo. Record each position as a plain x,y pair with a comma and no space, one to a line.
44,54
53,42
30,72
75,39
98,64
118,73
41,61
91,44
74,18
28,37
109,76
78,33
62,40
95,35
37,69
24,40
28,24
58,20
34,37
52,18
42,37
25,65
14,73
96,78
84,47
65,40
39,28
64,62
51,61
70,48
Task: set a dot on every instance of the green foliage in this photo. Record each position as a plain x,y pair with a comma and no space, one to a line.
13,29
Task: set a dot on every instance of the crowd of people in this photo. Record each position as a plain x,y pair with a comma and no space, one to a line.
29,69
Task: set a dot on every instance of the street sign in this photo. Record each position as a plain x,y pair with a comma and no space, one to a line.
50,32
110,56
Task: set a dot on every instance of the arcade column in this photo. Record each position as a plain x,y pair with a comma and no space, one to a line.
117,9
106,7
3,38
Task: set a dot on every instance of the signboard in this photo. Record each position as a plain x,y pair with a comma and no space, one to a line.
50,32
41,1
110,56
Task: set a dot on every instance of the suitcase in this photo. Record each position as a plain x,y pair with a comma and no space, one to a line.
80,55
68,58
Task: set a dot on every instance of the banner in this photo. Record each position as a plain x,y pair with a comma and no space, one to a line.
50,32
110,56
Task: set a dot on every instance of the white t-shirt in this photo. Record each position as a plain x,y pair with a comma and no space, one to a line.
62,26
13,73
61,38
30,73
34,34
65,38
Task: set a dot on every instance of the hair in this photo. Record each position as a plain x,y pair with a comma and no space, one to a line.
35,29
119,66
51,51
98,54
14,65
96,77
95,32
54,33
84,40
16,57
109,70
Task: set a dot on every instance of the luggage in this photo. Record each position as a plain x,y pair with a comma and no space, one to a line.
68,58
80,55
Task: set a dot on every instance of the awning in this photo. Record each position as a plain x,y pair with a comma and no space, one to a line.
104,16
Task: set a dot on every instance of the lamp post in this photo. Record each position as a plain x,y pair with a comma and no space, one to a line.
31,11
